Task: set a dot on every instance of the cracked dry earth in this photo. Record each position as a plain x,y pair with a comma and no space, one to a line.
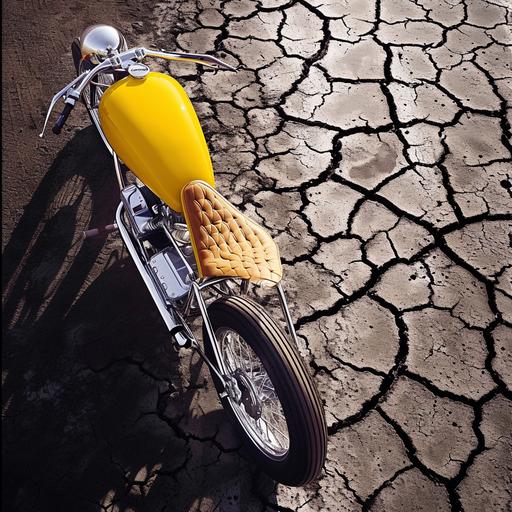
372,138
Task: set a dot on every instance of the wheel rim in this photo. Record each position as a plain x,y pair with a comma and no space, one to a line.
269,431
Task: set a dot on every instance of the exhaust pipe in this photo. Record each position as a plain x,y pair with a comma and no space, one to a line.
173,324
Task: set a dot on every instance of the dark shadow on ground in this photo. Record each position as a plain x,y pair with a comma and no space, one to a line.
89,374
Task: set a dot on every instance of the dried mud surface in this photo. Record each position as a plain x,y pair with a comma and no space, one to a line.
372,138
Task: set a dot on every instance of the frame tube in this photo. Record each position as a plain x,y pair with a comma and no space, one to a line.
286,312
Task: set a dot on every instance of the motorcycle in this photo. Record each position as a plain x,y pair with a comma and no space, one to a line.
196,252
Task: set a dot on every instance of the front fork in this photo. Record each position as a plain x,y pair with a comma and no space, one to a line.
221,372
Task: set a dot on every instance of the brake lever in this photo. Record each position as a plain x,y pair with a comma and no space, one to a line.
58,96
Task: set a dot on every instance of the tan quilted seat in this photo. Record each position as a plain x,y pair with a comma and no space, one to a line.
226,242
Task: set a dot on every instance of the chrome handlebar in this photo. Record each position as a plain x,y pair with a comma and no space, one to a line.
198,58
123,60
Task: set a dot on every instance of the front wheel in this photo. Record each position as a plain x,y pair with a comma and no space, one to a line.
271,397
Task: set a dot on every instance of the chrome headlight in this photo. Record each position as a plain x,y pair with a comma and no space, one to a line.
98,41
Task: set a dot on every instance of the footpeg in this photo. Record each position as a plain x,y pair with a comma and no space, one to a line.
91,233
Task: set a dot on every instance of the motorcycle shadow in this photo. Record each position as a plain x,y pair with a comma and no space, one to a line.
97,411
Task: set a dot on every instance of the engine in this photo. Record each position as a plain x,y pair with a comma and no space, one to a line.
164,241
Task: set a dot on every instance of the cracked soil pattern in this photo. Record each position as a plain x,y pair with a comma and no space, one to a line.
373,139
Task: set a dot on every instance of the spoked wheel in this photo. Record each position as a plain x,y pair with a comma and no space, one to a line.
271,397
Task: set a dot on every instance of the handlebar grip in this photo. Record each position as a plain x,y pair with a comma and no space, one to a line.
63,117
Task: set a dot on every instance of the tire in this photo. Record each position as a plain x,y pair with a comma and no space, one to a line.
235,318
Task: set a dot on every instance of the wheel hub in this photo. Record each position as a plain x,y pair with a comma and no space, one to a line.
248,396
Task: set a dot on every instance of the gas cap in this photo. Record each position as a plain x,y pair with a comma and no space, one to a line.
138,70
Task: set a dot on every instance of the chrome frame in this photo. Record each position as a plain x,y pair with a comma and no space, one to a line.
119,172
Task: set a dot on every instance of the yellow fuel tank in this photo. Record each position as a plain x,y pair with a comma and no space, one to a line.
152,126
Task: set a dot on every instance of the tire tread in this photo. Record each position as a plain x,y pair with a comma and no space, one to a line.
295,379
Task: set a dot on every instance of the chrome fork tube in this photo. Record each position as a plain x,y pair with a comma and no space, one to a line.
244,287
188,304
211,366
119,172
286,312
209,328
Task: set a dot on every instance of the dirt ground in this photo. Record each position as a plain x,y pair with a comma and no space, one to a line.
372,138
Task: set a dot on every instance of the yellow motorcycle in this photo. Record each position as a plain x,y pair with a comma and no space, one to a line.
196,252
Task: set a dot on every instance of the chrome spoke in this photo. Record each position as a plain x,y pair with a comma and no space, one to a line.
265,381
233,360
269,429
273,427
